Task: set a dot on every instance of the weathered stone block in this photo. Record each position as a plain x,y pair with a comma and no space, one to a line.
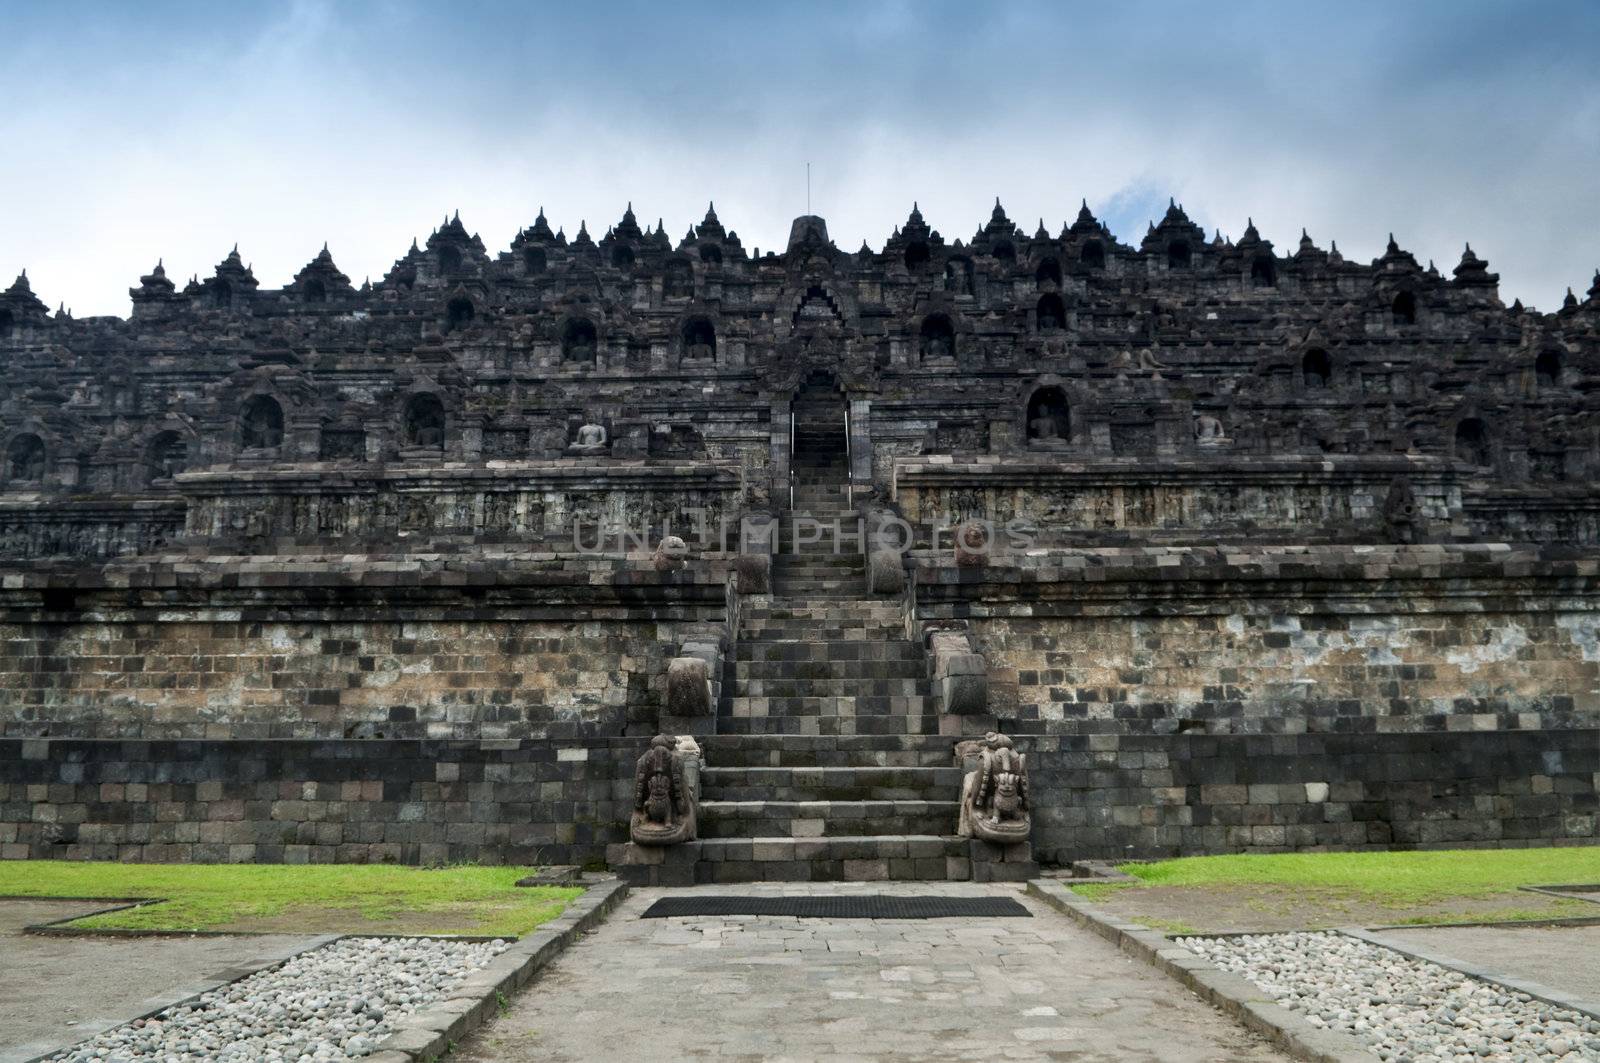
886,572
689,687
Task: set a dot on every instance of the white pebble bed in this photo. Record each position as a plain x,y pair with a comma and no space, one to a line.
332,1003
1406,1010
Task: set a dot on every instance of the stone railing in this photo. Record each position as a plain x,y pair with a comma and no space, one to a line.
960,674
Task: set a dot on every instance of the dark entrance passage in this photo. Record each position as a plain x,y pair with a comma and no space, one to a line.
819,462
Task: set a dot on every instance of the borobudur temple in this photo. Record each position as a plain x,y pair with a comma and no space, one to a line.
940,560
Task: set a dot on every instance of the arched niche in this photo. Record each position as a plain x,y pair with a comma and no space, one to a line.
1547,368
1316,369
534,261
222,295
579,341
166,456
699,340
449,259
25,459
1472,442
1005,252
937,338
817,307
424,422
958,276
1051,313
917,256
1263,272
711,254
1048,418
458,313
1048,274
1093,254
677,280
314,292
7,321
1178,254
1404,309
261,424
622,256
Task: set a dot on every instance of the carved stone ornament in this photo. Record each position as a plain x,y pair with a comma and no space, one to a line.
663,797
994,798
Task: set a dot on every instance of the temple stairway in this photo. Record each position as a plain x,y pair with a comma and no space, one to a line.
827,763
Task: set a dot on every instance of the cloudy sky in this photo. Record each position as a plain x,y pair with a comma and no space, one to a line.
175,130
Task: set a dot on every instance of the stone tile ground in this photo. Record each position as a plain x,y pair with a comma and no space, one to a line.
59,990
837,990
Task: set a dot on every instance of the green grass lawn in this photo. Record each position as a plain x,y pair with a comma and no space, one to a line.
1398,878
1317,890
317,898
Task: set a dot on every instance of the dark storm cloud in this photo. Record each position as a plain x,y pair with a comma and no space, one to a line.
177,129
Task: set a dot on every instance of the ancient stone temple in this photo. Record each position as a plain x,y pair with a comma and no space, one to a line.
937,560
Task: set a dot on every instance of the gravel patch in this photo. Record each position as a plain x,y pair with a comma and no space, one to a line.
332,1003
1406,1010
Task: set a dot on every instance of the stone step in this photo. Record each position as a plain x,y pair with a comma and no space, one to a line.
845,751
832,650
808,673
834,819
841,687
833,574
781,704
830,784
815,631
868,858
768,609
828,726
819,562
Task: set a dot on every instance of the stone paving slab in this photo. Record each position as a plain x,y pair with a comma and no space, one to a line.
56,991
1565,959
763,988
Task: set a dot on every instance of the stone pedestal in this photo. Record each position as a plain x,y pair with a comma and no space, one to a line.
1002,863
654,865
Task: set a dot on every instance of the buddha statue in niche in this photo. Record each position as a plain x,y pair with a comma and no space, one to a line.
591,438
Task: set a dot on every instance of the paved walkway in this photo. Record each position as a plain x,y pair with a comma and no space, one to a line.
55,991
1559,958
806,989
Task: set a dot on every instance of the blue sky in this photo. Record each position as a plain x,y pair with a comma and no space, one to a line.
174,130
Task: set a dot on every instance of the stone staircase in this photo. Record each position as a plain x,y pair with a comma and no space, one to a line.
827,763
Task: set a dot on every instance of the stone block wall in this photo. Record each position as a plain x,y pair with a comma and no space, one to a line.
1389,671
526,646
1132,796
1311,639
330,679
547,801
362,801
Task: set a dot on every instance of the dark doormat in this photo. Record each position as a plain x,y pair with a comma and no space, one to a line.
865,906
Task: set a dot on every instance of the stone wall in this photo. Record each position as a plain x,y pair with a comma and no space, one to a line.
495,647
1132,796
1096,796
315,802
1390,671
1337,496
1292,640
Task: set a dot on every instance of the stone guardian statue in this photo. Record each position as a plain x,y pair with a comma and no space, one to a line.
663,797
994,798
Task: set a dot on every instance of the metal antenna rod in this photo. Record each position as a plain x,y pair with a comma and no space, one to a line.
808,188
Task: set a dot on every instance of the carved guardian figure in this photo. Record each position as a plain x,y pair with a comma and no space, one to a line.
663,798
994,798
